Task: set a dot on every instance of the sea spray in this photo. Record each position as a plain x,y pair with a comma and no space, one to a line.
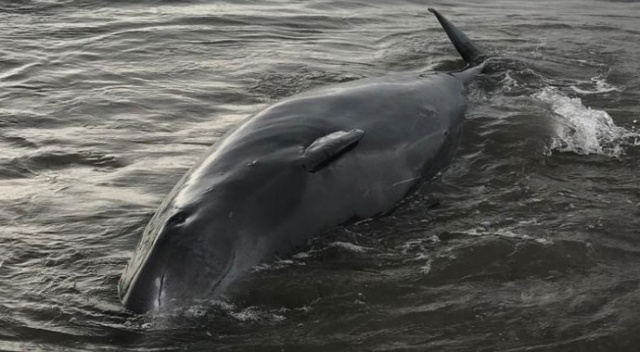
583,130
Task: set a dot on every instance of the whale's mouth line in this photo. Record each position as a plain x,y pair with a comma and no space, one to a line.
160,290
226,273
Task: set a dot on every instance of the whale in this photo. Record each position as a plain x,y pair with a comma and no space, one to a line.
298,168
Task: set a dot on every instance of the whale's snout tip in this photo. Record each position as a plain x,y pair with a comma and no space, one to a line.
142,293
136,303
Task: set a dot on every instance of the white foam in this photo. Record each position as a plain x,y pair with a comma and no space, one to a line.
254,314
508,82
582,130
506,233
601,86
278,265
426,268
350,247
421,245
302,255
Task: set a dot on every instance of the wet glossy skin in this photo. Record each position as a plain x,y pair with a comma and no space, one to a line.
250,197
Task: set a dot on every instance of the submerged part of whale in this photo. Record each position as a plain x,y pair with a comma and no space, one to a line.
300,167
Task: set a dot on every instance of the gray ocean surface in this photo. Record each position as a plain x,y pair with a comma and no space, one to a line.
530,241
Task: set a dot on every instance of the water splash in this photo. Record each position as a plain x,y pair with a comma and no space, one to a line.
582,130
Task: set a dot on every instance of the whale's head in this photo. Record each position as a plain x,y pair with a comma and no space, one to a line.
177,260
214,227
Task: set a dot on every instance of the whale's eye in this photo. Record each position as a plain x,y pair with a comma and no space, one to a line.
177,219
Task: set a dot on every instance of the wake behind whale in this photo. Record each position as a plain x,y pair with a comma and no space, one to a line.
300,167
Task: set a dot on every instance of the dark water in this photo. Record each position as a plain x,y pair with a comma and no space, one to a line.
529,242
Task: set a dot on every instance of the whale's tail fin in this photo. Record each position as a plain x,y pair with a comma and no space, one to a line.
471,53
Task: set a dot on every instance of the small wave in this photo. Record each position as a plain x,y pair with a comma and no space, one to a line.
506,233
19,141
276,85
350,247
55,159
583,130
280,264
600,85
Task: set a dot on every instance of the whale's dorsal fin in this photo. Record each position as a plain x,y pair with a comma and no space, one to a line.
326,148
470,52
